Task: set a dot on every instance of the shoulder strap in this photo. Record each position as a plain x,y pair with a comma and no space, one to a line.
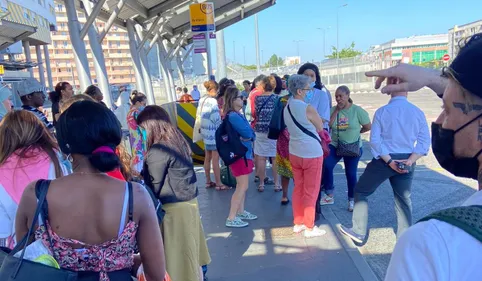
263,105
25,239
131,201
202,104
174,153
467,218
303,129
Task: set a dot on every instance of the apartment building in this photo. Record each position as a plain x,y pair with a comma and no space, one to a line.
458,33
413,49
115,46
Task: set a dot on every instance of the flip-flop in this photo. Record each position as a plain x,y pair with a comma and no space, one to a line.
277,188
223,187
261,188
210,184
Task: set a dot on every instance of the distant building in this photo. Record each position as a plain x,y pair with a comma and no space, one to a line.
413,49
292,60
458,33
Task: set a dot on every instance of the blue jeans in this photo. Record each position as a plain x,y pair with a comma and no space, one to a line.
351,168
376,172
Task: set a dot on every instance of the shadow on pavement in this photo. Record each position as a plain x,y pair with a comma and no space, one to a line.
432,190
268,249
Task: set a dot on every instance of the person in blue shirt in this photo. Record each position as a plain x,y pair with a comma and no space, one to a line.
241,169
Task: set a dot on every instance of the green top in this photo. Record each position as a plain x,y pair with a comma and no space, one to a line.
348,125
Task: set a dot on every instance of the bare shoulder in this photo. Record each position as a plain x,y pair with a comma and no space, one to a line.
142,199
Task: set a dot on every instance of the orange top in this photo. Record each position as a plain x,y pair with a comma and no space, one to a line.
186,98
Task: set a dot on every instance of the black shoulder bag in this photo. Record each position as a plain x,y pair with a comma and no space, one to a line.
345,149
18,269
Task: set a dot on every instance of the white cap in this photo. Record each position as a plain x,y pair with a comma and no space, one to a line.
29,86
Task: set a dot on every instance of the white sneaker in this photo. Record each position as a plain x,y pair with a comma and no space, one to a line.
351,205
298,228
314,232
327,200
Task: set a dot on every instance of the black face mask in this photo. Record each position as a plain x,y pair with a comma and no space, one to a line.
443,149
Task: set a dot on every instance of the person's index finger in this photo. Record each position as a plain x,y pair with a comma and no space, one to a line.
380,73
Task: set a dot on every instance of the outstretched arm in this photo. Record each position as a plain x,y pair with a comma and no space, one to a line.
412,78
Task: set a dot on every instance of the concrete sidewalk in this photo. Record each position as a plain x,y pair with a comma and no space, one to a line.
268,249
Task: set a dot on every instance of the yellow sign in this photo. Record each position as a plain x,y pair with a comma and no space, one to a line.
202,17
2,70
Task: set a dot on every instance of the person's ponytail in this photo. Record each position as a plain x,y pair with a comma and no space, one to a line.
104,160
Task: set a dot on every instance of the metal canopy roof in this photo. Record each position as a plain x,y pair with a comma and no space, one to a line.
176,14
11,32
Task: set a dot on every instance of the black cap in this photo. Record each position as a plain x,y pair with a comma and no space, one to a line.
466,67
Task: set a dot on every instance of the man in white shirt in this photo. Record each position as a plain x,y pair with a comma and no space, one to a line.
195,94
399,137
434,249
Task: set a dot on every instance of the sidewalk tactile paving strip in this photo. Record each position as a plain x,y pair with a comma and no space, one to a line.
283,233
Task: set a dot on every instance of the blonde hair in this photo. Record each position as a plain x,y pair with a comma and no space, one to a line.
64,105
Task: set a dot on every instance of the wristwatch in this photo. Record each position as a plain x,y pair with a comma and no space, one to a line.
389,161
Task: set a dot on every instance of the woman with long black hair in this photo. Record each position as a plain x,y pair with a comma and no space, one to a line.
62,92
318,97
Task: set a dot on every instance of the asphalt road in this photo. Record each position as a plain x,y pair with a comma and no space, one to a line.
433,188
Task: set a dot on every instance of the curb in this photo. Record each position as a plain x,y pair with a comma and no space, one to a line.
360,263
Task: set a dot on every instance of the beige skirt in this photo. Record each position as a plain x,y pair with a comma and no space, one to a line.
185,246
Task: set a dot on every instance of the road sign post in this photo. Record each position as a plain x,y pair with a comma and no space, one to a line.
446,58
202,20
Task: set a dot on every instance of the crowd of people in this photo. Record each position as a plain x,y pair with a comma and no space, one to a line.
113,213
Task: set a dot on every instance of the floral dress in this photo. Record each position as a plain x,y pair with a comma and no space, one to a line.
282,151
137,139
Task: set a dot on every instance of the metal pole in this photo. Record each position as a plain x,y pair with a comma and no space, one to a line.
78,46
208,55
221,55
47,66
324,44
40,65
169,70
28,56
90,17
337,49
111,20
244,54
136,60
234,52
163,69
180,70
256,31
145,68
98,58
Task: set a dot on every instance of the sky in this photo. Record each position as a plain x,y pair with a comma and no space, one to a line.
365,22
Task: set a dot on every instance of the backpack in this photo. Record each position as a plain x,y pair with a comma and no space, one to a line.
467,218
228,143
277,123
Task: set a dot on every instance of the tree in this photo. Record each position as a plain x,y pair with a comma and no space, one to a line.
347,52
248,67
274,61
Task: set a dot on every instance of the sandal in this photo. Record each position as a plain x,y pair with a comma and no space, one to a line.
210,184
277,188
261,188
285,202
223,187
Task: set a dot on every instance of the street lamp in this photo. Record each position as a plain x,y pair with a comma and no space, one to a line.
298,47
324,44
337,43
